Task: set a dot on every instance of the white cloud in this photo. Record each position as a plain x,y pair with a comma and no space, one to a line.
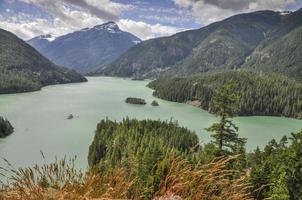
73,15
27,26
147,31
104,9
67,16
208,11
184,3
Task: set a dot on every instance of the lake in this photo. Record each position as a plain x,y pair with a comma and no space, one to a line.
40,119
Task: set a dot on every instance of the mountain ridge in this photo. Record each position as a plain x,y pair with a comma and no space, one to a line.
86,49
223,45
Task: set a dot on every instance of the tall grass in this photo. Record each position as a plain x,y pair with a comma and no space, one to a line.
204,182
60,180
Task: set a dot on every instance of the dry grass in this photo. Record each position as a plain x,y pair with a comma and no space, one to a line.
204,182
60,180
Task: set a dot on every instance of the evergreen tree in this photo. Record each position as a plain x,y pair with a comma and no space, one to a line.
224,104
276,172
142,148
294,170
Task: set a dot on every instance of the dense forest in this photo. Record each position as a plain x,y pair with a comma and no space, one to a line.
260,93
277,169
140,146
5,127
14,81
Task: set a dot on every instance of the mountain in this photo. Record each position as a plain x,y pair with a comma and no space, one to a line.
87,49
282,51
229,44
24,69
42,41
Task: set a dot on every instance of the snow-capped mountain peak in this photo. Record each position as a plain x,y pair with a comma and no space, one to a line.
111,27
87,49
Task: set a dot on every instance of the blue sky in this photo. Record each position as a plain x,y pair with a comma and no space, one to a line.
144,18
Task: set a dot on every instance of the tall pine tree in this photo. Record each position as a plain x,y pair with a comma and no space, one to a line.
225,132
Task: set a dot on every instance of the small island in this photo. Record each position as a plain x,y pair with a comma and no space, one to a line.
5,128
154,103
70,116
134,100
138,79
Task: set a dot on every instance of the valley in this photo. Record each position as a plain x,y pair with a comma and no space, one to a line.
175,99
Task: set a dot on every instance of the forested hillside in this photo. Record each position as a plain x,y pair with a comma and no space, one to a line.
23,69
283,55
155,55
260,94
262,41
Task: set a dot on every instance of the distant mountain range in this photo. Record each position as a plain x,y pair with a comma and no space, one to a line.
24,69
88,49
263,40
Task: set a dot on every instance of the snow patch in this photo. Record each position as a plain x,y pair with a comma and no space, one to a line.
47,37
283,13
136,41
110,27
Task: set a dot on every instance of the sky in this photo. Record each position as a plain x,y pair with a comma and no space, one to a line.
144,18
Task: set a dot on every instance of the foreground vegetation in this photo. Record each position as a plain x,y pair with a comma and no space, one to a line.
5,127
132,160
277,169
260,94
60,180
